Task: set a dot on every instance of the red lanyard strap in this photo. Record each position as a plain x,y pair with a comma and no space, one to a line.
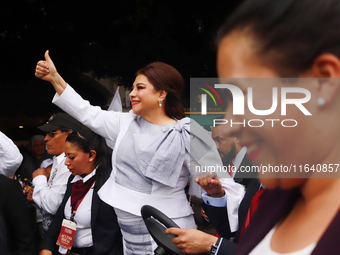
75,207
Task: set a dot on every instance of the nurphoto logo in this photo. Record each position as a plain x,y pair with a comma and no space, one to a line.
260,101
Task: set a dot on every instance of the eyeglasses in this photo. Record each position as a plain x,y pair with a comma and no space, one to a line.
51,133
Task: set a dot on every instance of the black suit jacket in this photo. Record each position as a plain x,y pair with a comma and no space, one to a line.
106,235
3,238
274,206
218,216
15,213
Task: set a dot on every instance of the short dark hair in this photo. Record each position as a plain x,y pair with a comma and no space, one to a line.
165,77
289,34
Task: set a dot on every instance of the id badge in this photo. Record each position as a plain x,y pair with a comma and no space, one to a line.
66,235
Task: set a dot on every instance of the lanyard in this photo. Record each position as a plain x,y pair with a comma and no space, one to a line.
74,208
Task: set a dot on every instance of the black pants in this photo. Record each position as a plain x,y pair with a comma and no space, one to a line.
81,251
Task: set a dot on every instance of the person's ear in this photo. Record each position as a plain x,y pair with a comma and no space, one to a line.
162,95
92,155
326,65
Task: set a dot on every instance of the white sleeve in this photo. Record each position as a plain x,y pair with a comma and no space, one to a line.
10,156
104,123
50,198
232,199
234,195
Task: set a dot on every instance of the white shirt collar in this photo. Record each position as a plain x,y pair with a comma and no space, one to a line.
86,178
239,157
59,159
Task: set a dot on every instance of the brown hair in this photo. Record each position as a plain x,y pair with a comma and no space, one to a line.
165,77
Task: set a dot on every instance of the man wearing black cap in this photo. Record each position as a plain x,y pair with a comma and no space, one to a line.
49,188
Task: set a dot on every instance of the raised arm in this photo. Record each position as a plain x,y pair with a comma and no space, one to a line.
105,123
46,71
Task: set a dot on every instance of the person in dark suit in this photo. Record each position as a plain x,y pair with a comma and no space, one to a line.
15,214
233,154
97,232
234,157
192,241
219,219
215,206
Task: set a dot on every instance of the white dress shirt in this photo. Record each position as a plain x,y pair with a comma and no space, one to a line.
83,237
10,156
48,195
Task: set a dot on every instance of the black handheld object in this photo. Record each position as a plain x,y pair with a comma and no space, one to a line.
156,230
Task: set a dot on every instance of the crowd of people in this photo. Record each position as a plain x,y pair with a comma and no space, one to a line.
101,167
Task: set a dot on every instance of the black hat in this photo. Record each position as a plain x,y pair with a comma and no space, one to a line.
60,120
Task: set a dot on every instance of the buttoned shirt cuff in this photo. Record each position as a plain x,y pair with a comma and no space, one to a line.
39,180
215,201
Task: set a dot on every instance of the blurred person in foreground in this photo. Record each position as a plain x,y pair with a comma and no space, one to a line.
299,212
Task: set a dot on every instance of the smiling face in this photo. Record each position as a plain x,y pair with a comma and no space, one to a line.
144,98
77,161
266,145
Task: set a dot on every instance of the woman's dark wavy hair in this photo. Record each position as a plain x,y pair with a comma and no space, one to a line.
165,77
289,34
86,140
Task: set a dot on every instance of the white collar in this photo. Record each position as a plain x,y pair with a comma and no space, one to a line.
239,157
60,158
86,178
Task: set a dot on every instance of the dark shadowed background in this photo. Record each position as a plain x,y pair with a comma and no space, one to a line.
106,39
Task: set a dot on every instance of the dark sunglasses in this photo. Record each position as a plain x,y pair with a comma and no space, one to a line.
51,133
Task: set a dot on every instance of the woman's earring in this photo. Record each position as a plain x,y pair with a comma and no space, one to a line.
321,101
160,102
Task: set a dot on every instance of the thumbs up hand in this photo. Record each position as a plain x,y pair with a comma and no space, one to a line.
45,69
